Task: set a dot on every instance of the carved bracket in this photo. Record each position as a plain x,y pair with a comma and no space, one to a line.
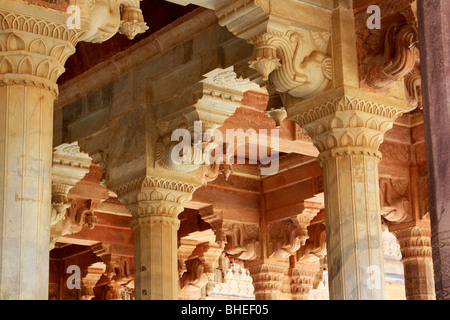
399,57
296,60
289,235
395,206
242,240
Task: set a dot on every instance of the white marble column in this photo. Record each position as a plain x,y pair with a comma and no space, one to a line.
155,204
32,57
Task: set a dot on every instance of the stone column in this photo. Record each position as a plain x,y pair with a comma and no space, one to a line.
434,36
415,245
155,206
348,131
302,277
32,56
267,278
88,282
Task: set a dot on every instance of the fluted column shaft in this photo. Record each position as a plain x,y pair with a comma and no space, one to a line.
155,207
33,51
348,131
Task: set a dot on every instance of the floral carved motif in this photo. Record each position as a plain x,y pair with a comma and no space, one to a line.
155,200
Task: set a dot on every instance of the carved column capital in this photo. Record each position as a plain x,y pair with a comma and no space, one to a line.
415,242
155,199
347,125
267,278
35,46
415,245
302,279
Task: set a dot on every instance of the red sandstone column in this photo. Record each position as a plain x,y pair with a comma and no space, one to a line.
434,32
